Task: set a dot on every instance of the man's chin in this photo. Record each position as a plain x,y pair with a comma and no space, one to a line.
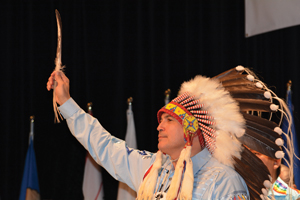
160,147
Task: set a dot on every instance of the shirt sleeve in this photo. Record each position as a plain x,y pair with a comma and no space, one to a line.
122,162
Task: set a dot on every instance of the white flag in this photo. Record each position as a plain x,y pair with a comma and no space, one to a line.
92,186
92,180
124,191
267,15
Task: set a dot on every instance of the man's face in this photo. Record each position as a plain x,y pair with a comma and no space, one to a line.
271,163
170,136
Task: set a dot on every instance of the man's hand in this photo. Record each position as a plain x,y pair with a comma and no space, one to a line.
62,92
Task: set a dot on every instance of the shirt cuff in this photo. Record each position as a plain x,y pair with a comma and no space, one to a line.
68,108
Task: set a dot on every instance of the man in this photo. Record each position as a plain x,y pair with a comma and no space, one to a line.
262,134
197,144
280,179
273,164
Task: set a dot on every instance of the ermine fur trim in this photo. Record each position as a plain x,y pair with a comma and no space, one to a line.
187,186
147,187
174,186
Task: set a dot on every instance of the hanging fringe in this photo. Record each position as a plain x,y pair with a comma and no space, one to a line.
186,192
174,186
147,187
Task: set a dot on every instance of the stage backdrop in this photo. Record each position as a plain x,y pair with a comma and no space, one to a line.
114,50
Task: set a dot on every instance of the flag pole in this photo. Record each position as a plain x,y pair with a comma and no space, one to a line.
167,96
129,102
289,85
31,133
89,108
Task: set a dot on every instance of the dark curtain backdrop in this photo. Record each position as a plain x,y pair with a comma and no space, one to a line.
114,50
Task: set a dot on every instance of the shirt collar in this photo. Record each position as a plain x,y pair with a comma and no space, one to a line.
199,160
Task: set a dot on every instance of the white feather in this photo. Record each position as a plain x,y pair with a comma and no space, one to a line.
229,122
58,65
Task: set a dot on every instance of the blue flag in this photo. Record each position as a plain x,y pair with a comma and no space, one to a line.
294,139
30,182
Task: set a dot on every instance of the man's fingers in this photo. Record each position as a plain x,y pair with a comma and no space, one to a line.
64,77
60,77
51,80
57,77
50,83
62,92
48,86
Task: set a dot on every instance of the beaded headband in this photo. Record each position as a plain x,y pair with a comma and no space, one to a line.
187,111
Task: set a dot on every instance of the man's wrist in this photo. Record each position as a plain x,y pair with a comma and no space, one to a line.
68,108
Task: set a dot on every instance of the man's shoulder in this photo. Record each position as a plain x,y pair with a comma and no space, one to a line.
214,166
220,173
227,183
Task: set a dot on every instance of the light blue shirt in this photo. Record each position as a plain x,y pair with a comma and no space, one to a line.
212,180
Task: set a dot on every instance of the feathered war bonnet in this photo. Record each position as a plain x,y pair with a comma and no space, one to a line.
205,109
262,134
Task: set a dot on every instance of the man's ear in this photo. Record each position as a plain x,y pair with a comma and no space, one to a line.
277,163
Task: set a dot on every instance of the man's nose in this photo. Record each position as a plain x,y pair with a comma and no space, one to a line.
160,126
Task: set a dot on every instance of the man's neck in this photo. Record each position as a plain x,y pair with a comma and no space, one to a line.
195,150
